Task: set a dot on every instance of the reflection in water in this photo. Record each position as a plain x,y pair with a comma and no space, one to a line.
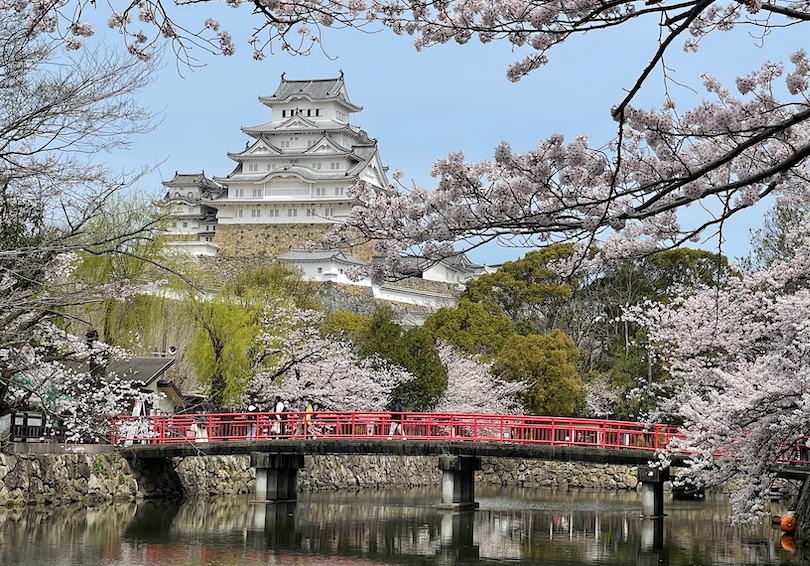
514,526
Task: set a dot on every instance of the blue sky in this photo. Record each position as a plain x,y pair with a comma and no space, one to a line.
421,106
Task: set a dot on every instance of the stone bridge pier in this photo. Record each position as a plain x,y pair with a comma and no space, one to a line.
652,491
458,482
276,475
277,478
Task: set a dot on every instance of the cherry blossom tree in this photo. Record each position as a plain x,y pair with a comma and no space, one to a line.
59,115
65,378
738,358
472,388
296,362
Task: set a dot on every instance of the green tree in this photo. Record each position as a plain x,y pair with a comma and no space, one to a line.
472,328
345,322
225,333
128,321
548,364
525,289
414,350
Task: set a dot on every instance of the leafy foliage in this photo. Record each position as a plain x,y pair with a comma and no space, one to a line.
547,364
229,324
527,288
775,240
472,328
414,350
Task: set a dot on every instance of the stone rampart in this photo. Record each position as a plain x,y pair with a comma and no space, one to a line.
266,240
63,478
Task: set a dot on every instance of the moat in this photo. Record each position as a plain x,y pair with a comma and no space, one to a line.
511,526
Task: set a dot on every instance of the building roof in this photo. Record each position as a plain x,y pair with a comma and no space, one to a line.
459,262
314,89
146,369
191,179
302,255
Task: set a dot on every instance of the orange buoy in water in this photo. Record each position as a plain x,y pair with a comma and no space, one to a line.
788,542
788,523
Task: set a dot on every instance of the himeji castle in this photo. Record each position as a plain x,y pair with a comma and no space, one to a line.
289,186
290,181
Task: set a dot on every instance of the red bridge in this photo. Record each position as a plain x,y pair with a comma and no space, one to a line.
278,442
513,429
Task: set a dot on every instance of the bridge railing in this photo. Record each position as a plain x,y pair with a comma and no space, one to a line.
529,429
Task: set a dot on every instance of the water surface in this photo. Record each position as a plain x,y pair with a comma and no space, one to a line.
512,526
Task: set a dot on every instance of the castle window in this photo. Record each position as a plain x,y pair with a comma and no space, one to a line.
320,270
258,192
185,224
339,191
256,213
317,111
316,166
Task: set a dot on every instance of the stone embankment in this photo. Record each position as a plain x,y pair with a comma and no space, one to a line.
63,478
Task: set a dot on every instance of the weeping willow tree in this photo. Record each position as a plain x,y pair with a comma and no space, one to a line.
227,325
139,322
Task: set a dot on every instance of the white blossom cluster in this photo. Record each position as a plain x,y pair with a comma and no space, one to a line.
740,357
64,377
299,363
625,197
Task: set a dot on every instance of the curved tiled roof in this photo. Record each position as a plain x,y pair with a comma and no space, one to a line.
314,89
274,128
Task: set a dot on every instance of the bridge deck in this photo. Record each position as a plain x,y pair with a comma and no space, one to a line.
593,454
324,432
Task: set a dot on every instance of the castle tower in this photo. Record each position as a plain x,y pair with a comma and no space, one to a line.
192,224
290,182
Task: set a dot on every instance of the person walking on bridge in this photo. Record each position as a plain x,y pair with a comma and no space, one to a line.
308,420
252,409
278,425
397,418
